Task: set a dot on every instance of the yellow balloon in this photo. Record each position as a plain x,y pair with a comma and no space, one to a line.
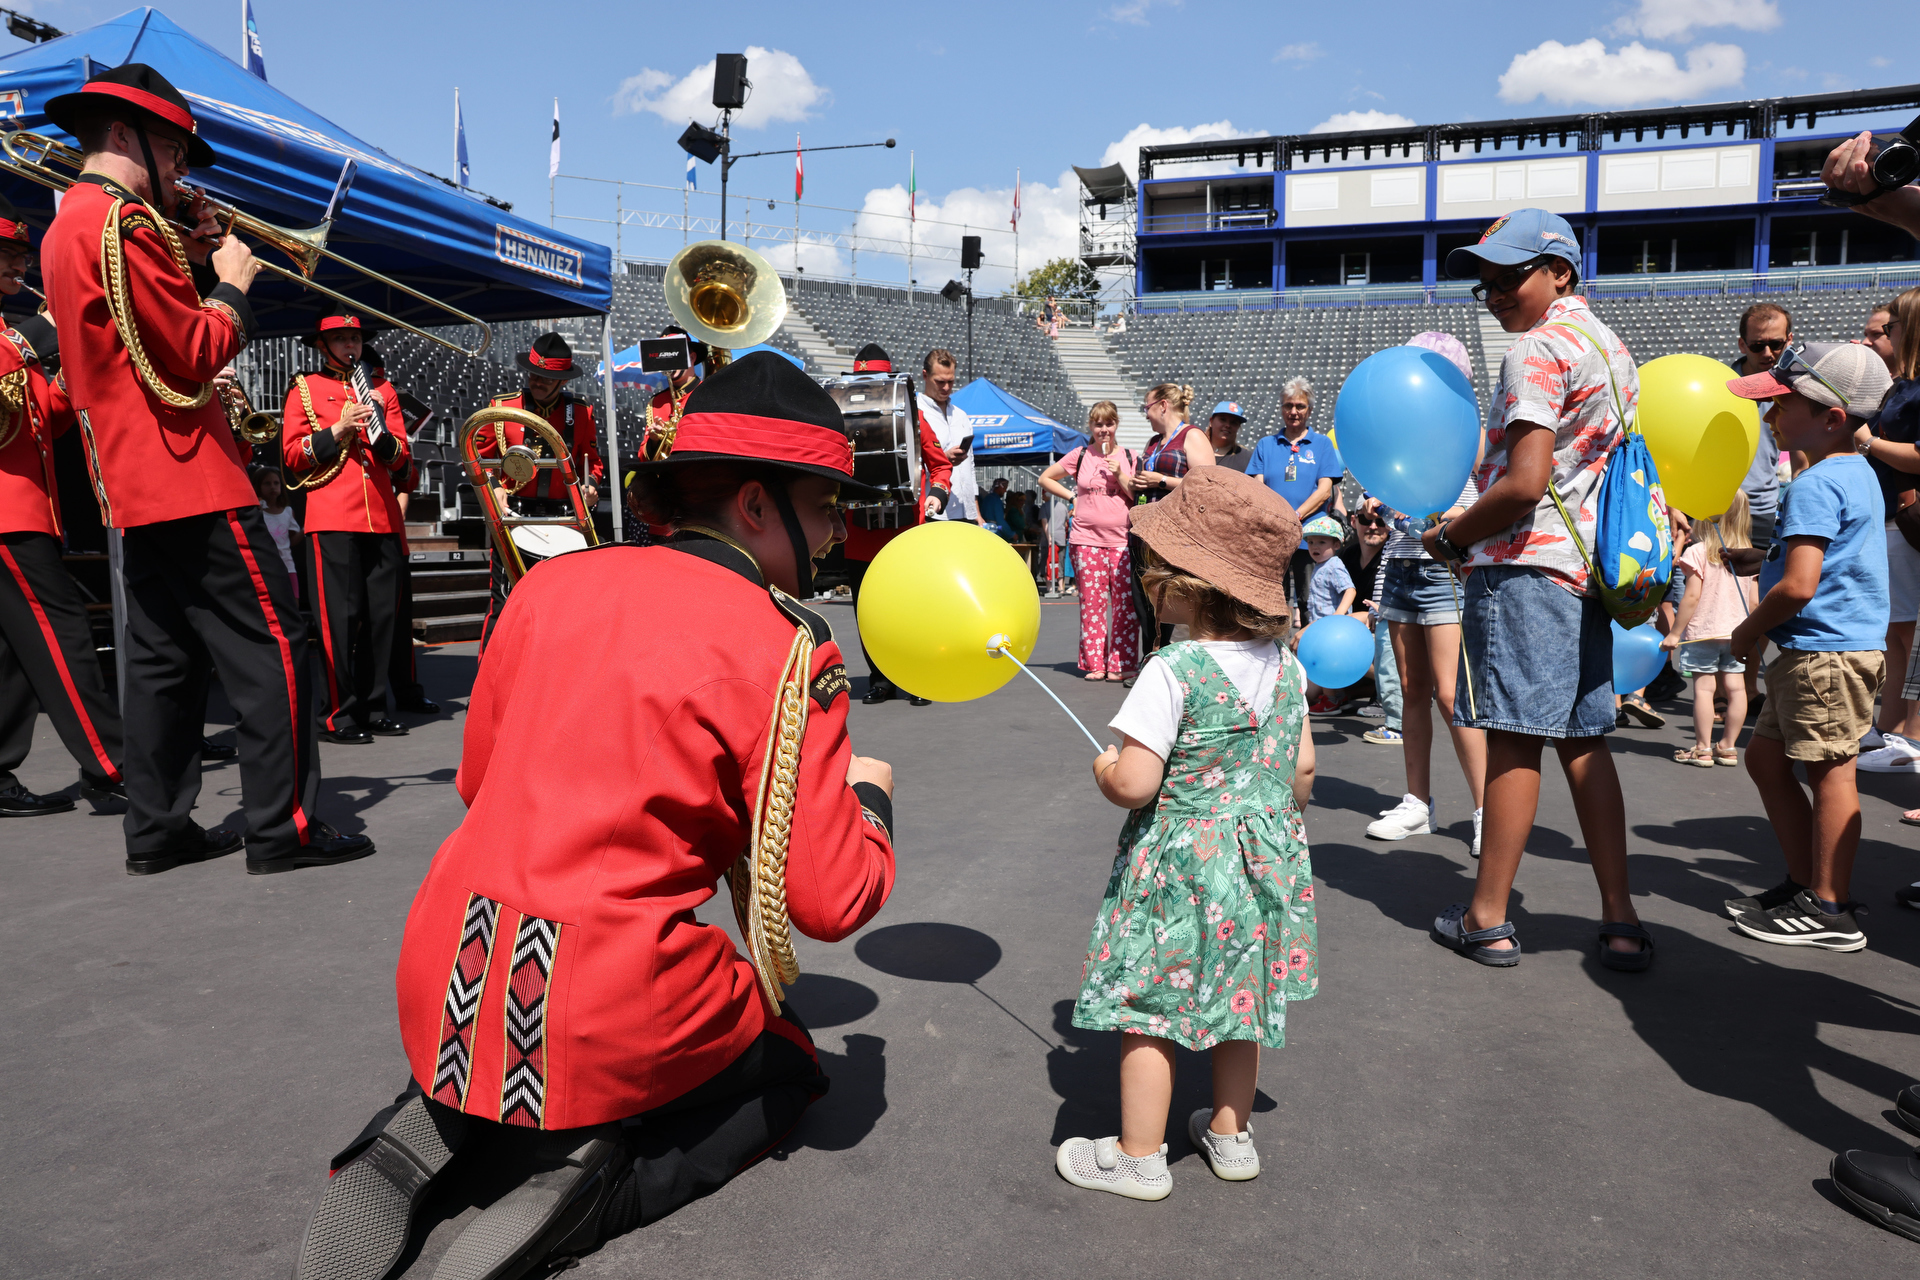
931,601
1702,436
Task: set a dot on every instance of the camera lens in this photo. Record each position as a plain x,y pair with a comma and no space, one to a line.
1897,164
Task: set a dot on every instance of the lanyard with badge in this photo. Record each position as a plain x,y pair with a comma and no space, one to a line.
1293,463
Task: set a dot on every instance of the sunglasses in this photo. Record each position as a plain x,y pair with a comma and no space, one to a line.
1792,364
1766,344
1369,522
1507,281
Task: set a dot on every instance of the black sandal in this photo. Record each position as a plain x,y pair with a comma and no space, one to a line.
1472,943
1626,961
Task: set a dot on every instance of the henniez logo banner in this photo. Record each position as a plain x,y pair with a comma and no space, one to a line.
542,257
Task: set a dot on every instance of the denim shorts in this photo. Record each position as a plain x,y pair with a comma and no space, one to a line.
1707,657
1418,591
1534,657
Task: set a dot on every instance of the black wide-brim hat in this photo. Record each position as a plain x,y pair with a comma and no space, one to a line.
550,357
872,358
763,408
338,319
139,86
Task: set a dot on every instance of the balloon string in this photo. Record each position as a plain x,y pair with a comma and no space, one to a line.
1056,697
1466,663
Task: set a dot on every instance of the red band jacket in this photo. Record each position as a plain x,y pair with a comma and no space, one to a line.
583,441
359,499
553,972
29,496
148,462
936,479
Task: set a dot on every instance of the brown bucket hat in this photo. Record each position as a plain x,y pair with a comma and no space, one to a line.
1229,529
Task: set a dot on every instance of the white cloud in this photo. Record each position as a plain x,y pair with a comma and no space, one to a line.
1134,11
1126,152
1586,72
1299,52
1346,120
1677,19
782,90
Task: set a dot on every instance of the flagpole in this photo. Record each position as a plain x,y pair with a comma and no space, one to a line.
799,183
1016,227
553,165
912,218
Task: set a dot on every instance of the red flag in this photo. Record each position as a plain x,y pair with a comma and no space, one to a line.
799,169
1016,200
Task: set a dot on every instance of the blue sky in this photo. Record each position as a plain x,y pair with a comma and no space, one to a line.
978,90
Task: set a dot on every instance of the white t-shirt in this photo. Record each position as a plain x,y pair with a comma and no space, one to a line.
1151,713
282,525
952,426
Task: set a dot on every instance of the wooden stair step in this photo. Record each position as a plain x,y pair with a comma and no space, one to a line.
449,630
438,579
445,604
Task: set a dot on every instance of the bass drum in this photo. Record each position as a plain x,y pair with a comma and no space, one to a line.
884,420
537,542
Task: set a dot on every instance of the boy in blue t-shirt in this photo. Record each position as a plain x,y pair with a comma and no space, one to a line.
1824,602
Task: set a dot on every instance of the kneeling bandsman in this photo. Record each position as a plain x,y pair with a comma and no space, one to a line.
561,1007
345,441
549,366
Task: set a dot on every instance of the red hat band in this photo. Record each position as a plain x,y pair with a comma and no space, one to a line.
339,322
745,435
558,364
873,366
14,231
146,101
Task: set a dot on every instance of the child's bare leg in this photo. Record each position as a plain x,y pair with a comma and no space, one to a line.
1734,685
1146,1091
1703,710
1236,1067
1836,827
1786,805
1602,813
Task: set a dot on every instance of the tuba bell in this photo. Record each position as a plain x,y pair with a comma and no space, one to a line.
724,295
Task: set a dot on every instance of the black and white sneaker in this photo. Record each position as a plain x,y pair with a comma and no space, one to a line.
1909,896
1801,923
1760,903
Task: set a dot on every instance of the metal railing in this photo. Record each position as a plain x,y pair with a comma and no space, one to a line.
1218,220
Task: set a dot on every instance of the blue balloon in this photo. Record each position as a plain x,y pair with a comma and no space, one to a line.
1408,427
1637,657
1337,650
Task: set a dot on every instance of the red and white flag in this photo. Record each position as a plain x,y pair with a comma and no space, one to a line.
799,169
1016,200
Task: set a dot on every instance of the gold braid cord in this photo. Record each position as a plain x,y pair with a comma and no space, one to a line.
319,479
113,275
759,876
13,404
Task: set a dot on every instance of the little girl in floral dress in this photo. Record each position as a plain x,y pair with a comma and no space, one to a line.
1207,929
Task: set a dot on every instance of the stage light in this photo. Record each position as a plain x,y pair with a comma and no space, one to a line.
889,141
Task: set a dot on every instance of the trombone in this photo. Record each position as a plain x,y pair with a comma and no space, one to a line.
514,465
31,156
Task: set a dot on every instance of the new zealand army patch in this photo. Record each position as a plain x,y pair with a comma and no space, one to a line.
830,684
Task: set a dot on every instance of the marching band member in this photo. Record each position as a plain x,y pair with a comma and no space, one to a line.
664,410
863,544
345,450
46,643
564,1012
140,348
549,366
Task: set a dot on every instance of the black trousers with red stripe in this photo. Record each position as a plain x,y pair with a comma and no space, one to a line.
209,592
47,662
403,670
356,578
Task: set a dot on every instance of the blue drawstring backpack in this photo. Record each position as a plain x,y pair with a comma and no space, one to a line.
1632,556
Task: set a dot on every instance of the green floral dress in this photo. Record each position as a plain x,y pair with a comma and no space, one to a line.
1208,927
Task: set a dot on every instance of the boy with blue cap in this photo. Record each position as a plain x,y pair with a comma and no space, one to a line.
1567,388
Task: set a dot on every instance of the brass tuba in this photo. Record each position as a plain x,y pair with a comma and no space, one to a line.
726,296
250,426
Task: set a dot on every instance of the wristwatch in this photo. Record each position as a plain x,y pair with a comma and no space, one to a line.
1446,547
1866,446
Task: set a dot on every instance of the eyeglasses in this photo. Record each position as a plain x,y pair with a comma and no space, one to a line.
1507,281
1766,344
1792,364
1369,522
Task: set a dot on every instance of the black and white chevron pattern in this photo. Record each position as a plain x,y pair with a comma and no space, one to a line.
465,985
523,1087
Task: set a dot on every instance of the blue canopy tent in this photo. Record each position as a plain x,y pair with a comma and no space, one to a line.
280,160
627,372
1007,431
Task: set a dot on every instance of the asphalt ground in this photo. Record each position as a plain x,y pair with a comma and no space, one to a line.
185,1051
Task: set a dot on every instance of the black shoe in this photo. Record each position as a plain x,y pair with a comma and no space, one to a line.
211,750
346,737
365,1215
18,802
420,706
877,692
915,700
1801,923
1908,896
556,1209
324,849
1778,896
385,728
1906,1105
1885,1188
197,847
105,797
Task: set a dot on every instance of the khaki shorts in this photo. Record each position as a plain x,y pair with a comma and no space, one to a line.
1820,704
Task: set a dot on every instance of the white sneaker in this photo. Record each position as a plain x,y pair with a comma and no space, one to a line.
1476,831
1230,1157
1408,818
1872,741
1898,756
1102,1166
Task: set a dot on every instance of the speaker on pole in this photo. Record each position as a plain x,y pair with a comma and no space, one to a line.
730,83
969,252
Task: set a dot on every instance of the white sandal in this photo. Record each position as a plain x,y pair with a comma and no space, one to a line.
1102,1166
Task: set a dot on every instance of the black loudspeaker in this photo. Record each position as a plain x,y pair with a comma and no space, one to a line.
969,252
730,82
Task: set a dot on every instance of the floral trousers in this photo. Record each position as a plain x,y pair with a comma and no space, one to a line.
1109,629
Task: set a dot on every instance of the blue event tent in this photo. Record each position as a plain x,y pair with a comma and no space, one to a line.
1007,430
280,161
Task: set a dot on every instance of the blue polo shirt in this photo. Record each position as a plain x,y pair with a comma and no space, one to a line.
1312,458
1837,499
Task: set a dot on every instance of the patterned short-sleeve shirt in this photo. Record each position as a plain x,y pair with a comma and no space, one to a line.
1554,377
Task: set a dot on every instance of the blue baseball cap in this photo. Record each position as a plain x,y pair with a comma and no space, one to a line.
1521,236
1230,408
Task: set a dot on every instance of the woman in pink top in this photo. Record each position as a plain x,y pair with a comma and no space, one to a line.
1715,602
1109,628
